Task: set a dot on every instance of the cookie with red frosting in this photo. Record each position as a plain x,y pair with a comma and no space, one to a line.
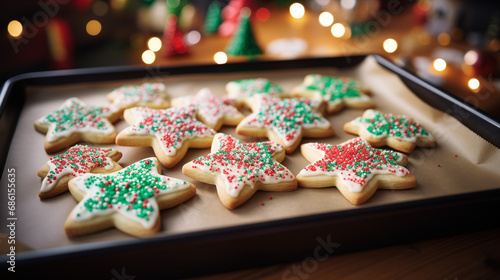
355,168
212,110
239,169
170,132
285,121
76,161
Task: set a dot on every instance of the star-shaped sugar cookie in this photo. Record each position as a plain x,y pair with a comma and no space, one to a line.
242,91
76,161
129,199
399,132
355,168
285,121
338,92
75,121
212,110
170,132
239,169
152,95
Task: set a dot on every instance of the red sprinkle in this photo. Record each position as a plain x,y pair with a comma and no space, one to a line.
262,204
270,197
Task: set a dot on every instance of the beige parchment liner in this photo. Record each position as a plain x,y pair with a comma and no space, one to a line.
40,223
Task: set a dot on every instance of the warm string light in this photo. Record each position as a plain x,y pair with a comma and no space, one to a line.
93,27
220,57
390,45
338,30
326,19
474,84
15,28
439,64
148,57
154,44
297,10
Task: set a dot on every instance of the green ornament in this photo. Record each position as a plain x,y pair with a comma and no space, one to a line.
213,18
243,41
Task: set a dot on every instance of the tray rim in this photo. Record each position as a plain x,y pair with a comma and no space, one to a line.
487,199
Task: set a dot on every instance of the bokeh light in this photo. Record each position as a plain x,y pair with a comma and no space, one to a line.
444,39
262,14
439,64
93,27
390,45
154,44
473,84
15,28
193,37
148,57
470,57
326,19
297,10
220,57
338,30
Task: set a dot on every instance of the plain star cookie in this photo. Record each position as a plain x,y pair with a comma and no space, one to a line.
75,121
212,110
129,199
76,161
355,168
170,132
337,92
285,121
151,95
242,91
399,132
239,169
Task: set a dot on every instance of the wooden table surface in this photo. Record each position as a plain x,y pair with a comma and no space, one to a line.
465,256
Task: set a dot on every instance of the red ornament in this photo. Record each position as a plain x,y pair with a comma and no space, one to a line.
173,39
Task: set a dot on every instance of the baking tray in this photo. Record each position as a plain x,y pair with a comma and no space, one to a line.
271,239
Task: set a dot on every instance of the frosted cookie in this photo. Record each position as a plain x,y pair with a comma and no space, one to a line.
75,121
337,92
212,110
76,161
355,168
243,90
129,199
239,169
152,95
170,132
398,132
285,121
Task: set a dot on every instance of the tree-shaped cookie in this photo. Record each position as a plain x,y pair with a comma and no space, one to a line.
212,110
170,132
396,131
285,121
355,168
76,161
337,92
129,199
152,95
242,91
239,169
76,121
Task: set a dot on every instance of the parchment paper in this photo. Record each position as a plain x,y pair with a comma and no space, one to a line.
40,222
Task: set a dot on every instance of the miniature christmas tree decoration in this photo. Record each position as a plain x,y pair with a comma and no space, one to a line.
243,41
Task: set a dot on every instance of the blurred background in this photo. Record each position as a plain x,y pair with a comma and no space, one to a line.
452,44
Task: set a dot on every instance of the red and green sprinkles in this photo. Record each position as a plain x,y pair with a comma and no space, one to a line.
332,88
241,164
74,115
246,88
76,161
355,162
131,94
131,191
171,126
286,116
380,124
